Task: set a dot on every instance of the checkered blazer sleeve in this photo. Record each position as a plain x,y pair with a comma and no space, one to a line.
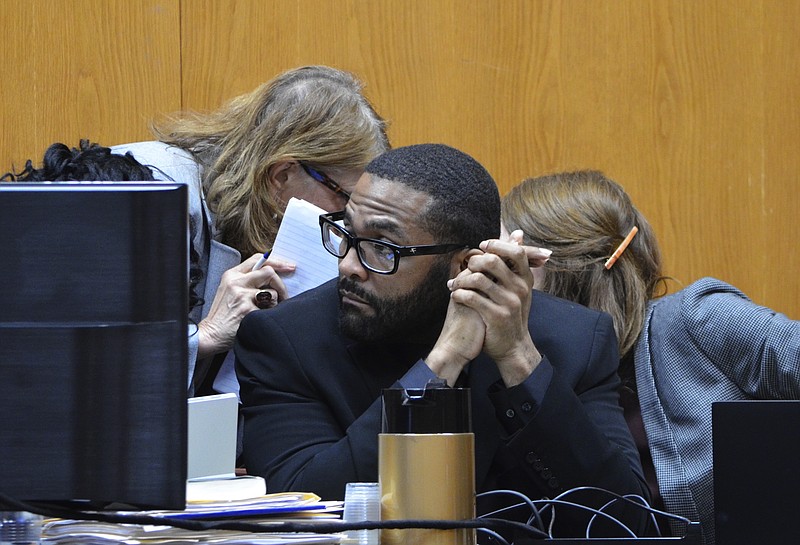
755,347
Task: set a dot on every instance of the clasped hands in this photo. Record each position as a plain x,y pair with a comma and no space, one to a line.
490,302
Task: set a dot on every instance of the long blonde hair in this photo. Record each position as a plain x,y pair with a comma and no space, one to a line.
583,217
314,114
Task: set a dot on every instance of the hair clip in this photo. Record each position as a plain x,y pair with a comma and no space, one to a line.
621,248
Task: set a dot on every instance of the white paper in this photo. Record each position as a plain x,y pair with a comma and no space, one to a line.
299,242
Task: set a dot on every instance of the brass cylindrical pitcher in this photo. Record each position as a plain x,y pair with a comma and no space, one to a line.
426,464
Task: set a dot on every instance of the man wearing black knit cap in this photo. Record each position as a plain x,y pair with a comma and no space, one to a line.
426,290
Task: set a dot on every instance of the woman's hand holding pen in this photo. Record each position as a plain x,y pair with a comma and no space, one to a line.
243,289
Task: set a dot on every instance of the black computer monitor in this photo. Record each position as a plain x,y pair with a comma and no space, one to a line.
93,343
756,445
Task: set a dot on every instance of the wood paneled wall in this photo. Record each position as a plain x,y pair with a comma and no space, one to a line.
693,106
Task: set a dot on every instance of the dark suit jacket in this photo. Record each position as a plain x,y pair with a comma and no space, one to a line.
312,405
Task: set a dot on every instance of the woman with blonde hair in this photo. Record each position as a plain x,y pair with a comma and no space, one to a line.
308,133
705,343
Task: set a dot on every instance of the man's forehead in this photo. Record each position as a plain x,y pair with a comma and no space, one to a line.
372,185
385,195
385,201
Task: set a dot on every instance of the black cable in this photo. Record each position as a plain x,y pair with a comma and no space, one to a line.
627,499
548,504
527,501
611,502
485,522
596,512
308,526
494,535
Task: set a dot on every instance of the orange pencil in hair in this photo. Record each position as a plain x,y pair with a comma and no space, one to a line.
621,248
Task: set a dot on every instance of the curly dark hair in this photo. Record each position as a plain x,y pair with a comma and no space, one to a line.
465,203
88,162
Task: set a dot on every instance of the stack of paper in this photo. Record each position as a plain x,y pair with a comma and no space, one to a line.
292,504
264,510
70,532
243,487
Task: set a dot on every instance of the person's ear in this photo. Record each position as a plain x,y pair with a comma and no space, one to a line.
279,174
461,260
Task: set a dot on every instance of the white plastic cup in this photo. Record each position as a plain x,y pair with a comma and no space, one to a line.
362,501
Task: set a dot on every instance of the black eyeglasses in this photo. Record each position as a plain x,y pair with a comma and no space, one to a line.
375,255
326,180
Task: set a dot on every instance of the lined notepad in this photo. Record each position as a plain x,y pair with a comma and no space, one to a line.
299,242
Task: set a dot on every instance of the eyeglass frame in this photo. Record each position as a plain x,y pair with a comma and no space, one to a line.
325,180
397,249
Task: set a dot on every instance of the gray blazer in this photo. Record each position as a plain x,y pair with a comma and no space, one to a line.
708,342
172,163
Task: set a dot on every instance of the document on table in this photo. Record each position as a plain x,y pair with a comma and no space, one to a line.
299,241
268,511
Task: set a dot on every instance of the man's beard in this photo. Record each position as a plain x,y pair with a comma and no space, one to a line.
417,316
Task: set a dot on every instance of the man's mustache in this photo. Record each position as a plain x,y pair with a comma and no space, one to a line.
349,285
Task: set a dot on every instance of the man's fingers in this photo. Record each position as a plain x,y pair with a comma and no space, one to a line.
537,256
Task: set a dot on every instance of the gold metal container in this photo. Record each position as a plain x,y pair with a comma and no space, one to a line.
428,476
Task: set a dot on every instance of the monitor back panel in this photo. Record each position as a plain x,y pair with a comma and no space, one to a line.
756,472
93,346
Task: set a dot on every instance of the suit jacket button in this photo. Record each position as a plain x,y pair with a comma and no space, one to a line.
510,413
527,407
531,457
553,483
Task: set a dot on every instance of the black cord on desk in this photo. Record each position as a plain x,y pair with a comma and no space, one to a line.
490,525
312,526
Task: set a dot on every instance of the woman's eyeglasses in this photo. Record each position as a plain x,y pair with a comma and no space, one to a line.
326,180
